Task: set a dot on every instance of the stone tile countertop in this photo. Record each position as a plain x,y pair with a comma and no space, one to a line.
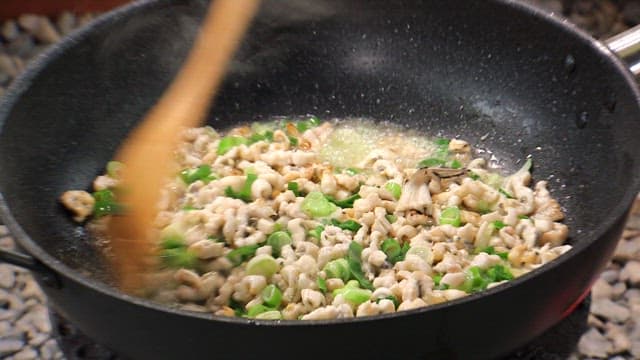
614,321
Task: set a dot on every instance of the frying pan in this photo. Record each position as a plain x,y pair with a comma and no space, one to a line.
499,73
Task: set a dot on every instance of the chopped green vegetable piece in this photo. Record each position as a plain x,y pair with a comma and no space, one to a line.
269,315
351,171
257,309
305,125
241,254
322,284
189,207
302,126
350,225
436,279
394,299
391,218
178,257
394,188
237,307
293,140
294,187
172,243
264,265
313,121
337,269
455,164
245,192
277,240
317,232
489,250
442,152
229,142
352,284
451,216
354,258
431,162
344,203
391,247
202,172
498,224
474,176
499,273
272,296
172,236
478,279
316,205
265,136
523,217
505,193
356,296
353,293
114,168
105,203
475,280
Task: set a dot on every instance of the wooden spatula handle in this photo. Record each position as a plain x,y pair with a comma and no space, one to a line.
147,153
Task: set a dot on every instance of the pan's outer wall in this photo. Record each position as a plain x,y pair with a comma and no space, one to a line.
478,70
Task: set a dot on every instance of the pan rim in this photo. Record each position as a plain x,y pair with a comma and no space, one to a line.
32,248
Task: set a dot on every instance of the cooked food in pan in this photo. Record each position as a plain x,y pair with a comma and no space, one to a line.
298,219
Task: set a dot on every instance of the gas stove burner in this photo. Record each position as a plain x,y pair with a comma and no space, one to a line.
556,344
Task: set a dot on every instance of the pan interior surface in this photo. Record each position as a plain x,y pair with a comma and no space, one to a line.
440,67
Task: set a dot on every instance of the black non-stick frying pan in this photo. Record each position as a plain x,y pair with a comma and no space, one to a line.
501,74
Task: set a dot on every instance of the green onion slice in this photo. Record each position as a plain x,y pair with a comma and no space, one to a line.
350,225
264,265
451,216
337,269
316,205
277,240
241,254
114,168
272,296
294,187
394,188
354,258
229,142
431,162
105,203
245,192
344,203
202,172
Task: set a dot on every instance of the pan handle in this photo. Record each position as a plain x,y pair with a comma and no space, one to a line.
47,276
627,46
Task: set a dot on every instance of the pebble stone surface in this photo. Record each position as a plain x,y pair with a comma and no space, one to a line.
614,320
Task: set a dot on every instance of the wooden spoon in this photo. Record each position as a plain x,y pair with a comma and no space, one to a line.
147,154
